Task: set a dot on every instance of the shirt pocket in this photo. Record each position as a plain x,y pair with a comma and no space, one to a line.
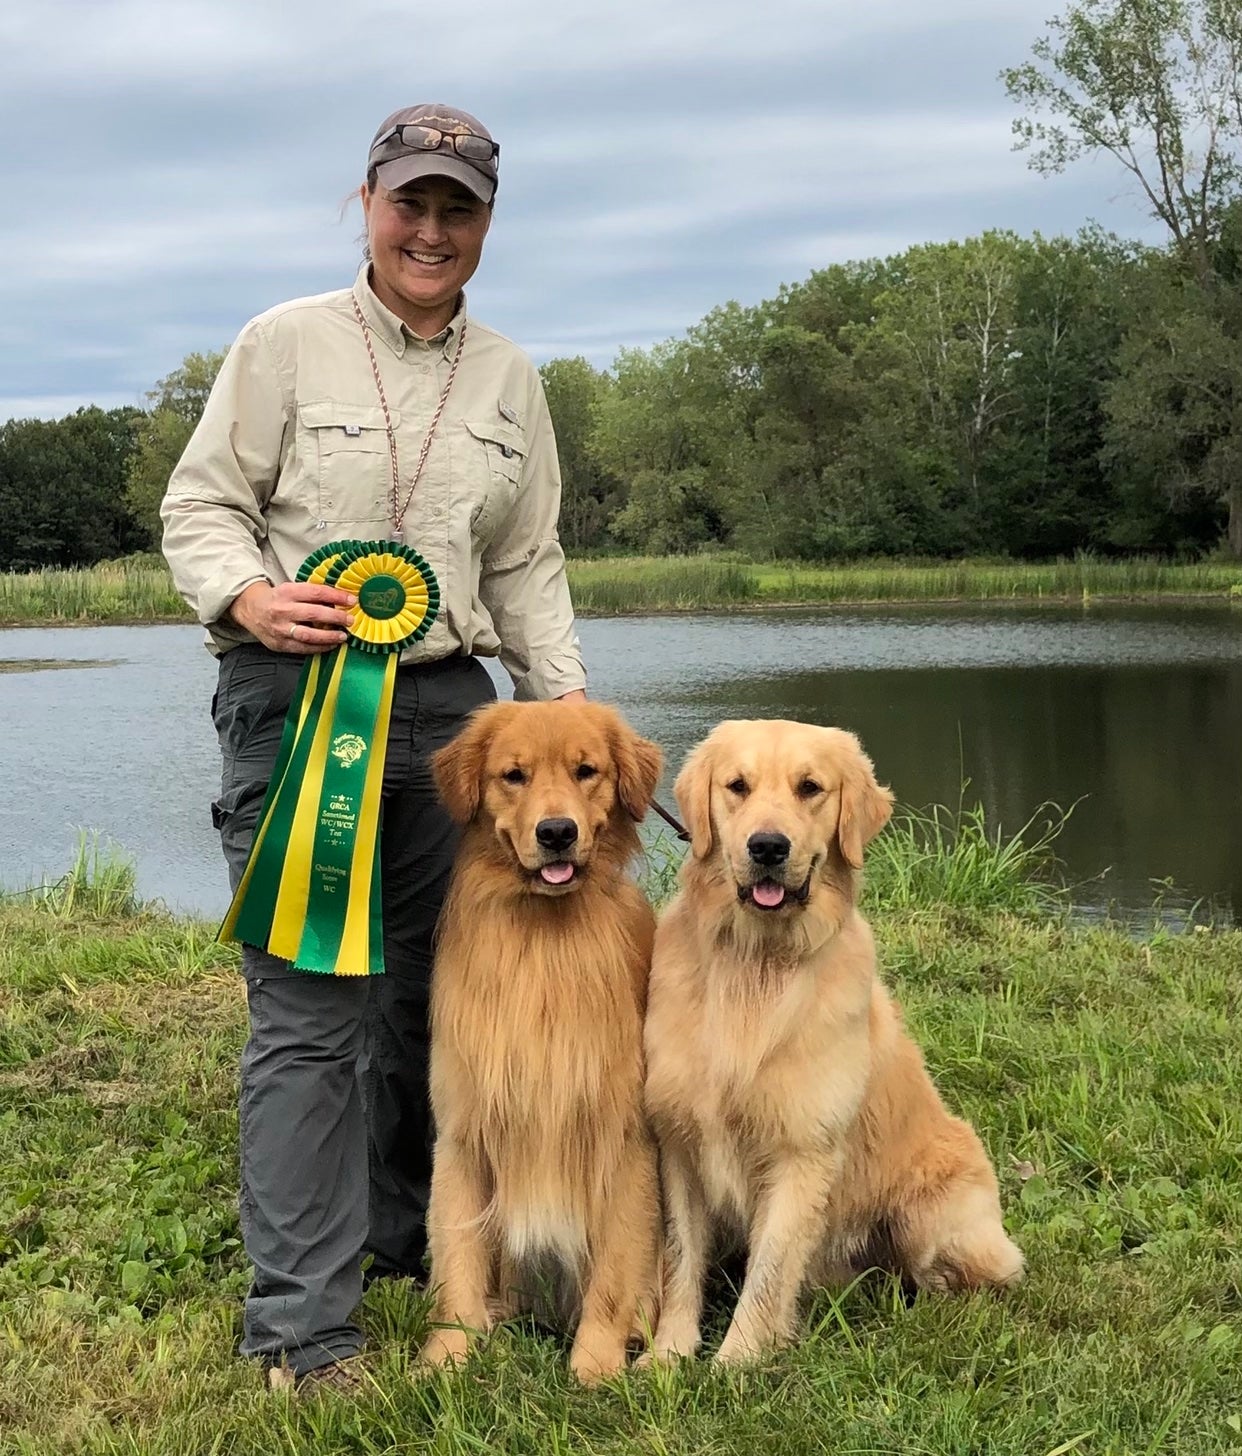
501,453
347,455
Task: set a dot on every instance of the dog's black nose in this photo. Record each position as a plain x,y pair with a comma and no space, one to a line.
556,834
768,849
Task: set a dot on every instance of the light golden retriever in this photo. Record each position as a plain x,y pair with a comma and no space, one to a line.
545,1174
790,1106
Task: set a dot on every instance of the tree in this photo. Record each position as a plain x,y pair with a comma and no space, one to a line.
589,494
1156,85
62,496
1175,408
1153,83
176,406
656,432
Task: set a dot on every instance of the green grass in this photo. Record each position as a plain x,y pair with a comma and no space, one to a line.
138,589
1102,1071
609,586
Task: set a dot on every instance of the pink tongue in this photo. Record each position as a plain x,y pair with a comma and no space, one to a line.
557,874
768,895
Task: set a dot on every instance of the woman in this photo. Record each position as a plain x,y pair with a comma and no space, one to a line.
373,412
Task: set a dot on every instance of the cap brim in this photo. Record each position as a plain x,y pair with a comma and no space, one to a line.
402,170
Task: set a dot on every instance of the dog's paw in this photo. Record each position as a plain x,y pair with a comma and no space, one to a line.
736,1350
590,1366
670,1345
444,1347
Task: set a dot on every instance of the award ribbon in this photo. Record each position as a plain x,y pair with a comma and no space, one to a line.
310,891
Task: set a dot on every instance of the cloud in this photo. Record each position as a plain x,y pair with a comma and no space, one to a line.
173,168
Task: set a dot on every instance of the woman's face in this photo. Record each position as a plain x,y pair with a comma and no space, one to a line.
426,240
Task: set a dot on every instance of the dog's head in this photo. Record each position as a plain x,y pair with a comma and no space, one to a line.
781,811
557,787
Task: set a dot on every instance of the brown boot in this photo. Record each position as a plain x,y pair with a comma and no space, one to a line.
340,1377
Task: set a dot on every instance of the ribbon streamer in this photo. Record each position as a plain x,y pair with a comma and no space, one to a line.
310,891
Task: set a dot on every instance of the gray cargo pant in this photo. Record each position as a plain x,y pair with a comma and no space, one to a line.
335,1125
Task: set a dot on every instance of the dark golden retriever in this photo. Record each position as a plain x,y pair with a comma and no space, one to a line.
545,1169
790,1106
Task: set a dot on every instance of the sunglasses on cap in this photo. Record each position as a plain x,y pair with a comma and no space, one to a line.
418,138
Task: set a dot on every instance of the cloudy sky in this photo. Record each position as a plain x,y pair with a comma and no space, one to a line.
169,168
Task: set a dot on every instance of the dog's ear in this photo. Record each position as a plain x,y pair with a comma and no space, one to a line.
638,764
866,806
693,792
458,768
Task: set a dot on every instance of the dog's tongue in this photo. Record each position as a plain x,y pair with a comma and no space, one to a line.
557,874
767,894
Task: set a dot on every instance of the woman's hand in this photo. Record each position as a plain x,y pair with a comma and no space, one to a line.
294,616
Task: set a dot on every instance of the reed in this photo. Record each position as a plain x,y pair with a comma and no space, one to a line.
952,859
617,586
134,589
100,884
139,589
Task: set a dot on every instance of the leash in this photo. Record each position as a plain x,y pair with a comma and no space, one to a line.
678,829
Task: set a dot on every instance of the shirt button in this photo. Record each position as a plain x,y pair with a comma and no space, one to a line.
424,368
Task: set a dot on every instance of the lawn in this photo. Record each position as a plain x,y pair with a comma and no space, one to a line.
1103,1070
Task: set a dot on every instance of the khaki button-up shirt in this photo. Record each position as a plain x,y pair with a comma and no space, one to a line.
291,453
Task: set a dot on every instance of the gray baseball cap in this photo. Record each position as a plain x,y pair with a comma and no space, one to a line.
435,141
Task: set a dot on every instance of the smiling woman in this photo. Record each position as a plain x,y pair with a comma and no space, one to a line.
379,411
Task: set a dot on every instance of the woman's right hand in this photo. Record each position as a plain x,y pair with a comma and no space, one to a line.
294,616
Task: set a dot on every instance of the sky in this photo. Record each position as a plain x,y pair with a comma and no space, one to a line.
170,168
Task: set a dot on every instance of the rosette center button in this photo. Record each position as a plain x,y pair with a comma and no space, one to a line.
381,597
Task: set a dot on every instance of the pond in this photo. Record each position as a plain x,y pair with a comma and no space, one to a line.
1131,714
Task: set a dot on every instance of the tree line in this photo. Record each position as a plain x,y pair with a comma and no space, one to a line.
1023,397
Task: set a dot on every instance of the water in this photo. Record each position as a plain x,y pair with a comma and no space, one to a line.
1133,714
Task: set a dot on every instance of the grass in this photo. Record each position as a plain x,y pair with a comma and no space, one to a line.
138,589
135,589
613,586
1102,1071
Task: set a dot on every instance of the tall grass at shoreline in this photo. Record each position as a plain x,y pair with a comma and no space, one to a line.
139,589
609,586
136,589
1101,1072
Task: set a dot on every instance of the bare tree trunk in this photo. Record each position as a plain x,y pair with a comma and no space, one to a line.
1234,529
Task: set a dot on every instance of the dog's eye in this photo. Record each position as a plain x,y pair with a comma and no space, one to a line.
513,776
808,788
738,786
586,771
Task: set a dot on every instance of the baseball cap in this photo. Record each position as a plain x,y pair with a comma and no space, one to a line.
406,147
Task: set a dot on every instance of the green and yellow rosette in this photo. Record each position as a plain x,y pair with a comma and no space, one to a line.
310,892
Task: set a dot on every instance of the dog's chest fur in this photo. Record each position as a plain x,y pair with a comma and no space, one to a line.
731,1081
537,1062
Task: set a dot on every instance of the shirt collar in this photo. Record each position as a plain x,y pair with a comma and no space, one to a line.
390,328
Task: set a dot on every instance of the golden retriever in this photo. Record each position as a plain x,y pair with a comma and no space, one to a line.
790,1106
544,1170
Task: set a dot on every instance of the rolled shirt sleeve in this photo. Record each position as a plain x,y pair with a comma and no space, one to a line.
213,509
522,582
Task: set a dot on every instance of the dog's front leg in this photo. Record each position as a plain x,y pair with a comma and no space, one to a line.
785,1232
461,1260
621,1280
686,1245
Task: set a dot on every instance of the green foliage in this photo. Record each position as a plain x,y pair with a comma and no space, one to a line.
589,494
136,588
100,883
954,860
176,405
1154,84
62,489
953,400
